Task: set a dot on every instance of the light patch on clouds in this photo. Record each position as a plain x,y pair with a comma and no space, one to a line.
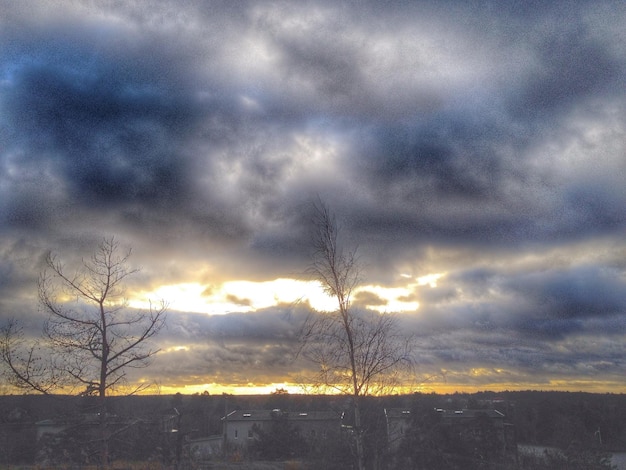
391,299
217,300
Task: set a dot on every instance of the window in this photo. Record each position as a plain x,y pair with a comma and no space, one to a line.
236,433
250,434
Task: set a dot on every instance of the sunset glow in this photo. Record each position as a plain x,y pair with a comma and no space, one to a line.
246,296
237,296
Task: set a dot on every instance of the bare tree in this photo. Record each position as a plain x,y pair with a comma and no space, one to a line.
90,338
357,353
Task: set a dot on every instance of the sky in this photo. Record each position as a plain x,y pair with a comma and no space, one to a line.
473,151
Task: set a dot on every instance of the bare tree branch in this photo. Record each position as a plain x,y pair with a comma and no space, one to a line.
27,365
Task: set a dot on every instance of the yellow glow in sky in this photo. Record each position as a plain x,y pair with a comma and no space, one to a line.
236,296
246,296
429,279
217,389
392,296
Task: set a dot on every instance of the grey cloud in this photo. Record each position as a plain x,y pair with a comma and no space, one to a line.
116,124
454,347
366,298
109,140
586,291
461,351
272,324
545,323
572,65
236,348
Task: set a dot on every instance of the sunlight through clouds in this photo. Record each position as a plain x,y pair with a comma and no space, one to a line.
246,296
238,296
392,299
429,279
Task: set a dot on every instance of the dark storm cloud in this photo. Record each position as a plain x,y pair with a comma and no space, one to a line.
114,121
430,155
553,303
468,179
111,125
273,324
578,293
112,148
572,66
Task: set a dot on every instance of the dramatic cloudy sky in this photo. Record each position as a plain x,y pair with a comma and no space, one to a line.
474,151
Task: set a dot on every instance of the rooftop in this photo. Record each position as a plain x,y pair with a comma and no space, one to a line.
268,415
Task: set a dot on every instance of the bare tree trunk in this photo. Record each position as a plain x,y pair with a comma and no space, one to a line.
104,437
358,431
102,389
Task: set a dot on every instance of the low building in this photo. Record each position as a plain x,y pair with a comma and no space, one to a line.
313,426
398,422
482,429
487,428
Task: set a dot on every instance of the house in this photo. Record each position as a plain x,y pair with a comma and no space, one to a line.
466,414
239,425
472,427
398,422
56,426
486,428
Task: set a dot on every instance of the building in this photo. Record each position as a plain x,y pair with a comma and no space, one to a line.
472,428
398,422
313,426
486,430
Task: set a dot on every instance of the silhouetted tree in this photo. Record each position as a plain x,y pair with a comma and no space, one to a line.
356,352
278,399
91,338
281,440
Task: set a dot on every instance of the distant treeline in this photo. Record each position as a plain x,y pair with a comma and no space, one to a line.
553,419
560,418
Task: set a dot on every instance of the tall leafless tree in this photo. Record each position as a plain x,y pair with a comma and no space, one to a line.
91,338
356,353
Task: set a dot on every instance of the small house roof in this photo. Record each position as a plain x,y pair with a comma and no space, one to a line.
398,413
268,415
469,414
